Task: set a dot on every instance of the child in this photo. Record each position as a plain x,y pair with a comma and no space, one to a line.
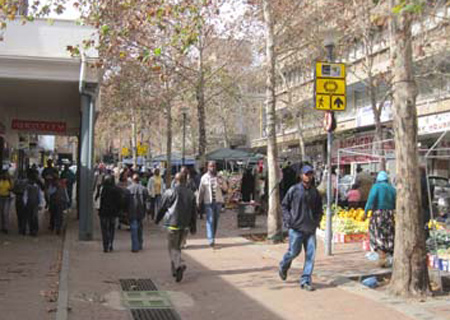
354,197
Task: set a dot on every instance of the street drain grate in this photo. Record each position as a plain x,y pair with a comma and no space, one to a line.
154,314
138,285
146,300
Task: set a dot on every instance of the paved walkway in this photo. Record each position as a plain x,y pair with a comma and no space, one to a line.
239,280
29,270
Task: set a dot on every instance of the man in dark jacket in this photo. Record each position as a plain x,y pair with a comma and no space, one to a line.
32,200
178,209
136,212
302,211
110,207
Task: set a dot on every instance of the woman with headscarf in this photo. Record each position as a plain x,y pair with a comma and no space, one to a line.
381,201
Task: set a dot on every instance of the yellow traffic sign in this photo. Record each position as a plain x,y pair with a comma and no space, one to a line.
323,102
330,86
125,152
330,70
142,150
338,103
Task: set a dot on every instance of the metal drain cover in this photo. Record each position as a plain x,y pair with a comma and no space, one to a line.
154,314
146,299
138,285
145,302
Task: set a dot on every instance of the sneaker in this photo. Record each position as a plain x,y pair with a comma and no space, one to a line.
179,273
282,273
307,287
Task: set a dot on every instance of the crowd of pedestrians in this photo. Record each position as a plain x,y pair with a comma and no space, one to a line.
32,191
127,197
140,194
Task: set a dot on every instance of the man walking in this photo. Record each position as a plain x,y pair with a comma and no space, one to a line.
136,212
156,188
210,194
178,209
70,178
32,201
302,211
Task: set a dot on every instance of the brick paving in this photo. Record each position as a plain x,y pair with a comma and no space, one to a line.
235,281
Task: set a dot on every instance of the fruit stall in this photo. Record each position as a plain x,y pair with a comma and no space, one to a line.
438,246
349,225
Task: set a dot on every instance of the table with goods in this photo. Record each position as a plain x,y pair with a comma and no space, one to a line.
438,246
349,225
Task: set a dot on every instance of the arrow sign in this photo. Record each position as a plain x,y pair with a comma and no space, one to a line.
338,103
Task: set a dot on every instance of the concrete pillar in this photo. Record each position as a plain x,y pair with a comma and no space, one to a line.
86,205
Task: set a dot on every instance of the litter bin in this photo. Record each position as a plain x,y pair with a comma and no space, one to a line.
246,215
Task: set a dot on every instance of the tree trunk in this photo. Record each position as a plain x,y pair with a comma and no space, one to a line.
169,143
201,106
378,127
301,138
274,212
410,273
134,138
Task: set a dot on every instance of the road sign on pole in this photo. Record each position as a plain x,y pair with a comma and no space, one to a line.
330,87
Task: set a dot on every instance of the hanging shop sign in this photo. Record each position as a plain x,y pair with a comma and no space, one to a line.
39,126
330,87
434,123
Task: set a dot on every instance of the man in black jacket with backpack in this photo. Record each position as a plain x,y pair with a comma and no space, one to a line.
178,209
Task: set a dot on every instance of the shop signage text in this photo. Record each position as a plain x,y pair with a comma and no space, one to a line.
39,126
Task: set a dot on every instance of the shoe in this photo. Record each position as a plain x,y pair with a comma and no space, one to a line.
5,231
307,287
179,273
111,248
134,251
282,273
105,250
212,245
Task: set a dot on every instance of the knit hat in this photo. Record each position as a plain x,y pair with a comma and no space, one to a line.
382,176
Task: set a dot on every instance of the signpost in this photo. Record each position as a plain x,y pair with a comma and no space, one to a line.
330,86
330,95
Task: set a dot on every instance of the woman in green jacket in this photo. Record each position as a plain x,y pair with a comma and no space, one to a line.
381,201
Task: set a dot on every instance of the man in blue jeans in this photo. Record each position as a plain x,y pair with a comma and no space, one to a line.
137,197
302,211
210,195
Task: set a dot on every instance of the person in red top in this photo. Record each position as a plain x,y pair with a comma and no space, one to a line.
354,197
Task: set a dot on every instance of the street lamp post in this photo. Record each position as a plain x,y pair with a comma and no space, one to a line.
329,45
183,151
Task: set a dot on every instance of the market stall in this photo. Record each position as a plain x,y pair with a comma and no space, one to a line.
234,163
348,225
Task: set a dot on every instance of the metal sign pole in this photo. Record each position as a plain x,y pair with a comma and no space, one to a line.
329,216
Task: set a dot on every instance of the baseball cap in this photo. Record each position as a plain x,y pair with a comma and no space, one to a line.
306,169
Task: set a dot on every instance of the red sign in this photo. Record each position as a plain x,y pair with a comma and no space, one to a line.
40,126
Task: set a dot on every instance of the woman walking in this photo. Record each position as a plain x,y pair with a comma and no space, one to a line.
381,201
110,207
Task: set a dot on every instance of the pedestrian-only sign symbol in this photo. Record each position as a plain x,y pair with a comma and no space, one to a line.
330,86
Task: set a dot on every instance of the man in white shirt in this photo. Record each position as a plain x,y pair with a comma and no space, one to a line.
210,194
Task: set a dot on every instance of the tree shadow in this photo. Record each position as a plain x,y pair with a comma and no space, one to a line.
217,246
